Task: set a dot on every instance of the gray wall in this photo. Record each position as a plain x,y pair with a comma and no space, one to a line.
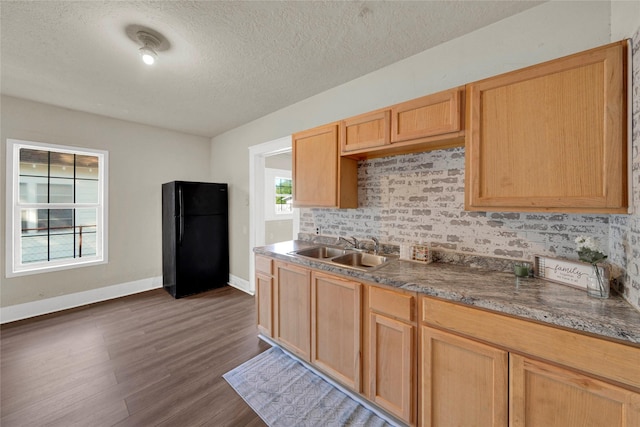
278,231
545,32
141,158
279,161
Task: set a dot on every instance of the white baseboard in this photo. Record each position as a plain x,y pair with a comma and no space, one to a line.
241,284
50,305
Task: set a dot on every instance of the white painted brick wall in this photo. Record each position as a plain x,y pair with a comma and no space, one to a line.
624,241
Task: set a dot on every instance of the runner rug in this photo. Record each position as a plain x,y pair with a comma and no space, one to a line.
284,393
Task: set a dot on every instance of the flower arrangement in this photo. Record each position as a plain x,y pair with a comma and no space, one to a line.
589,251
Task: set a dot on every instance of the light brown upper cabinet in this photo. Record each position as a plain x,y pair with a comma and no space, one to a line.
430,115
551,137
431,122
321,177
366,131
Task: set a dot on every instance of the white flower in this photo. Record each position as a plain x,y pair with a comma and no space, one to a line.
587,243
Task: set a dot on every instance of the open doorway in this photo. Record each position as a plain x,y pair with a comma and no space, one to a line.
278,198
267,162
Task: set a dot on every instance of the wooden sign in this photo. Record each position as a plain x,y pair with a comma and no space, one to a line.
571,273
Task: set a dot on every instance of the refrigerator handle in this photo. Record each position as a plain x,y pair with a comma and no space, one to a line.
181,213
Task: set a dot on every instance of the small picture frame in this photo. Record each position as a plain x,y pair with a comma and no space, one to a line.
570,273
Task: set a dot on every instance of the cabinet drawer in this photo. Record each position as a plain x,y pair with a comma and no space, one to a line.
392,303
264,265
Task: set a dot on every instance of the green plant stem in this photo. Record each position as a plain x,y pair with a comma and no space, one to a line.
599,279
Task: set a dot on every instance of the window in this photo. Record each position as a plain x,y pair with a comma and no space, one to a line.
56,207
283,196
278,195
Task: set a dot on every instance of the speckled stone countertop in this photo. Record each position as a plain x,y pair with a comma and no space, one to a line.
532,299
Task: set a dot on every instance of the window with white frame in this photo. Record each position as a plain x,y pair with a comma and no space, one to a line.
56,207
278,195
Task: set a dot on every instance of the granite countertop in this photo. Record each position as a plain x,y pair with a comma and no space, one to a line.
530,298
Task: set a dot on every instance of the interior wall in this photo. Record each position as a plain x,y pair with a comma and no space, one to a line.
548,31
278,231
141,158
279,161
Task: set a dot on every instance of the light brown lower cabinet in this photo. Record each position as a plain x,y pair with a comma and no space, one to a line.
472,367
463,382
474,364
391,366
264,295
392,352
544,395
292,308
336,328
264,304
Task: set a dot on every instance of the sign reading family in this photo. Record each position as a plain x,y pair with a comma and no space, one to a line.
569,273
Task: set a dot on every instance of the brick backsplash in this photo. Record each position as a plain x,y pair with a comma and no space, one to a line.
419,198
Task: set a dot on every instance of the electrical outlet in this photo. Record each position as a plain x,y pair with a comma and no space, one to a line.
317,230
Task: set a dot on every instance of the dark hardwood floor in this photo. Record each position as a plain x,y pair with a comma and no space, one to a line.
141,360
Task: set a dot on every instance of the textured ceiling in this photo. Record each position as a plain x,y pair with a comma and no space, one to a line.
225,63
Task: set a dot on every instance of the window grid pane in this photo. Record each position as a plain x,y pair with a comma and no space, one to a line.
61,232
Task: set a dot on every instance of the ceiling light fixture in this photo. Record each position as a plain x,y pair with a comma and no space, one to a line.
150,44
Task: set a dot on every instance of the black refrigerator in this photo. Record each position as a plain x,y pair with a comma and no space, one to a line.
195,237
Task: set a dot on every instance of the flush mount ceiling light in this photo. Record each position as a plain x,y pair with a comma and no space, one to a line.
150,44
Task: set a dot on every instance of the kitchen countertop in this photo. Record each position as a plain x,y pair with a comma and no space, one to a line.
529,298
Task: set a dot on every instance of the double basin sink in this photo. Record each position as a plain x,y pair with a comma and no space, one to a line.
350,258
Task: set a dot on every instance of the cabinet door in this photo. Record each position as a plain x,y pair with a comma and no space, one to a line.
391,366
427,116
551,137
336,328
365,131
264,304
543,395
292,309
463,382
321,178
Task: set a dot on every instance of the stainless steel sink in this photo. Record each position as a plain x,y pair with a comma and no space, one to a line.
362,261
348,258
321,252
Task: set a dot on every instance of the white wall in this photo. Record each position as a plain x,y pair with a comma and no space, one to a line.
141,158
548,31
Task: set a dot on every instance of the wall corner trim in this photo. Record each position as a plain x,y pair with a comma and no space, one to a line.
16,312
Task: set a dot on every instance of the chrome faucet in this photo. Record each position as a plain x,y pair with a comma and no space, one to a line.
376,245
355,244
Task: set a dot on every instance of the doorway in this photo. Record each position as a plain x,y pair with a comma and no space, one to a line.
273,154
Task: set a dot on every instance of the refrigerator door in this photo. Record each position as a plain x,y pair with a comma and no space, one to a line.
202,254
195,198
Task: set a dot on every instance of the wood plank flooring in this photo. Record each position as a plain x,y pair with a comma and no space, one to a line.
141,360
